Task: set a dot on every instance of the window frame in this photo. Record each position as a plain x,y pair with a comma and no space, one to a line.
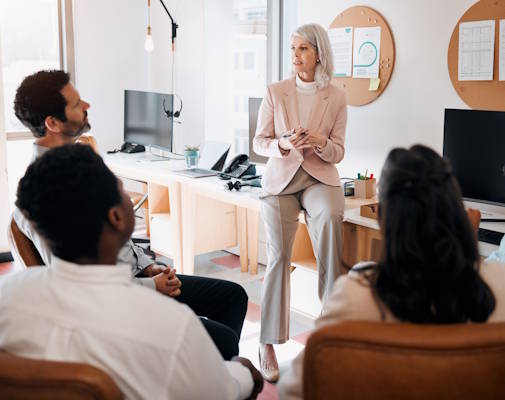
274,38
67,55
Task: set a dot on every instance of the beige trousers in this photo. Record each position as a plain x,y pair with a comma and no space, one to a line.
324,210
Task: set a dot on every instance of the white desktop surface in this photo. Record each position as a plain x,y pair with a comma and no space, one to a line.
140,166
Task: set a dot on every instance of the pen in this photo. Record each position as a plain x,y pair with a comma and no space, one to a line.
366,173
359,175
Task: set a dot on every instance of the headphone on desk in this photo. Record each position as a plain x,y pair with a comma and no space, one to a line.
237,185
173,114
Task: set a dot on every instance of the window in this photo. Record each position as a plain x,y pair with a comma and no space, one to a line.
31,33
30,42
289,25
256,14
249,61
250,39
245,104
236,58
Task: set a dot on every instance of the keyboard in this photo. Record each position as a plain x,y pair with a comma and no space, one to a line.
488,236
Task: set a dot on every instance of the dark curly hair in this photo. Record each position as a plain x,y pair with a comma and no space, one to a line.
429,270
66,194
38,97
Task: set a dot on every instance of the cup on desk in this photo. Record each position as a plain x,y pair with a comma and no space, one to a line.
191,157
364,188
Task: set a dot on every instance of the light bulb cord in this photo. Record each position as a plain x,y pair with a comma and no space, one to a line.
148,17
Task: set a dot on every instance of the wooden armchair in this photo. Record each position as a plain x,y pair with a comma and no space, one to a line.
369,360
29,379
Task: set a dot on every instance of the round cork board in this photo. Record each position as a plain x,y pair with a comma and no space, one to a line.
357,88
480,95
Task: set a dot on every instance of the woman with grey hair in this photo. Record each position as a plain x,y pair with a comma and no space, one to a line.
301,128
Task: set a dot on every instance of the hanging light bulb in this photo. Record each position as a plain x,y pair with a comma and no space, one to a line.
149,44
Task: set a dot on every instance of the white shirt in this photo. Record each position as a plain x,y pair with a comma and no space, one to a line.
152,346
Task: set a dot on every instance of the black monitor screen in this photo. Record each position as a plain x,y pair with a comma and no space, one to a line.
147,120
474,143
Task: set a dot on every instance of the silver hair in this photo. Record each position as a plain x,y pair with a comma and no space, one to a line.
317,36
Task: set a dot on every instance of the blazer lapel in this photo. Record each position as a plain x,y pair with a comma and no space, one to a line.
318,109
291,116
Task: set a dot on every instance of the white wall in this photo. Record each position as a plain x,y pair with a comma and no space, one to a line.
189,64
218,69
110,57
411,109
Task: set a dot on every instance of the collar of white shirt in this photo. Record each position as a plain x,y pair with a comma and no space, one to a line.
120,273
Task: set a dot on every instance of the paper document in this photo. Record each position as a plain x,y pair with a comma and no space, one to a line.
502,50
341,46
366,52
476,51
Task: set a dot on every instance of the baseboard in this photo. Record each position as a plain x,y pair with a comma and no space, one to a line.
6,257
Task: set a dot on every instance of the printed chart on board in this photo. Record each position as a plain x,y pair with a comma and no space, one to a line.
366,52
476,51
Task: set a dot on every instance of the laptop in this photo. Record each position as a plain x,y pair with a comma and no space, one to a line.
211,163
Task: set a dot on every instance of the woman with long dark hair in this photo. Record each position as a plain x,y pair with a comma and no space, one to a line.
429,271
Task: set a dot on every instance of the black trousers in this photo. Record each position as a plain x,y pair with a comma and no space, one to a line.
221,306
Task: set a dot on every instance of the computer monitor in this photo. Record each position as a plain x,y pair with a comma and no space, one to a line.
474,143
148,119
254,106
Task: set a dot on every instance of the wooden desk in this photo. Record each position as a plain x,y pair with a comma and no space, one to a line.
193,216
189,216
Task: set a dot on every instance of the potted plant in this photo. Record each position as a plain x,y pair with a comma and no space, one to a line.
192,154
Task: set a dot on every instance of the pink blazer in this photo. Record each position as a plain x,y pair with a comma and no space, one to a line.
278,114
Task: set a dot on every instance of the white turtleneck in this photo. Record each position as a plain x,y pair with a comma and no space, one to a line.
305,95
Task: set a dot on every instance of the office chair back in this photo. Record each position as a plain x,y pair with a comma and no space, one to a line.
22,248
29,379
370,360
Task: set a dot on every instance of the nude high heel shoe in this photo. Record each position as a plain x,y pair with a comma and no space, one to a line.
271,374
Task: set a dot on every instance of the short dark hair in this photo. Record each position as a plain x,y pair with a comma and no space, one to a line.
429,269
66,194
38,97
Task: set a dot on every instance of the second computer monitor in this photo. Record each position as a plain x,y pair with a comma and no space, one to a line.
474,143
148,119
254,106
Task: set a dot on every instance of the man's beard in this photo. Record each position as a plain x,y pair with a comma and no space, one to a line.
76,131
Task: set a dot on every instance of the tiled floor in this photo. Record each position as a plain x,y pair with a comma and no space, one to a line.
227,266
